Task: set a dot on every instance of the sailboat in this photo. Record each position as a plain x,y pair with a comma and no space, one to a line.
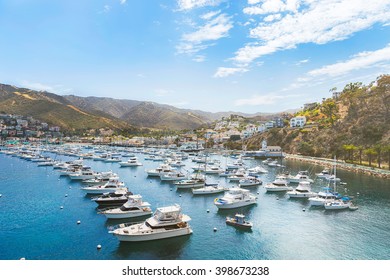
340,203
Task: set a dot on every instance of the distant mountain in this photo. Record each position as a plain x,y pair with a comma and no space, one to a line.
53,109
76,112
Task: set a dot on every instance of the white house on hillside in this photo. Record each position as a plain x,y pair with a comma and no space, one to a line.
298,121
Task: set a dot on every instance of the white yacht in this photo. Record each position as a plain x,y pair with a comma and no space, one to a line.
83,174
211,169
234,198
250,181
172,176
301,176
280,184
323,197
257,170
324,173
112,185
133,161
162,169
340,204
134,207
166,222
302,191
208,189
190,183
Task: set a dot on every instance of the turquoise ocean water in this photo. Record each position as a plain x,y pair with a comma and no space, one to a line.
34,226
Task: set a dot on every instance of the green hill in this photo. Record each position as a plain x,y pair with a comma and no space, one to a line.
355,124
53,109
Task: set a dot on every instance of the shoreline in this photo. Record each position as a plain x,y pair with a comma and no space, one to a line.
382,173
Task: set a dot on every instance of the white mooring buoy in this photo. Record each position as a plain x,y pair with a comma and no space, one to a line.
62,207
215,229
208,210
304,209
99,247
78,222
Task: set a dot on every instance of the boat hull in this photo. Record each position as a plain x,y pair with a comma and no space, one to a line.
235,204
159,234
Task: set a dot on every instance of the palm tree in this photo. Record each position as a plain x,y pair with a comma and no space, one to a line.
360,149
378,149
369,152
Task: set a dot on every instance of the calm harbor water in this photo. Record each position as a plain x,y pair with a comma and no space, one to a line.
34,226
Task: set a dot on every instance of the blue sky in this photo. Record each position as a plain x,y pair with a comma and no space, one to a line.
214,55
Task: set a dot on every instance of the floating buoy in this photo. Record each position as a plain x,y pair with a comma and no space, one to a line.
208,211
277,198
304,209
62,207
22,259
78,222
258,192
170,189
1,195
99,247
215,229
70,187
357,193
66,195
179,195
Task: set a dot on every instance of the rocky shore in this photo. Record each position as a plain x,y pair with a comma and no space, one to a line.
326,162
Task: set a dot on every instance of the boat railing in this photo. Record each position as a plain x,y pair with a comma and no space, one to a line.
124,225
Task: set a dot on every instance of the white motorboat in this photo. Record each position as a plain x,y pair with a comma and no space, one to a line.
190,183
324,173
257,170
172,176
234,198
211,169
133,161
162,169
116,198
84,174
208,189
302,191
323,197
134,207
332,178
112,185
250,181
239,221
340,204
280,184
301,176
166,222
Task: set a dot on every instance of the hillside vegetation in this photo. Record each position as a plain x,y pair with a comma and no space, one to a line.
355,125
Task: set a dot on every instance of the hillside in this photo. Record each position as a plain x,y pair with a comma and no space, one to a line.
53,109
357,122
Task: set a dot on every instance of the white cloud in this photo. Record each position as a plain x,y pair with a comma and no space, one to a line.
226,71
362,60
318,21
199,58
272,17
191,4
212,30
122,2
209,15
302,62
272,6
256,100
106,8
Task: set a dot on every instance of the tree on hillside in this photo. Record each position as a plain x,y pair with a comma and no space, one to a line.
370,152
386,150
383,91
378,150
349,149
360,149
329,109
